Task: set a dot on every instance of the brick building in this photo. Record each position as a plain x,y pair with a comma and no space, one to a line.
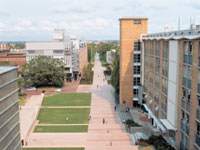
130,31
13,59
169,78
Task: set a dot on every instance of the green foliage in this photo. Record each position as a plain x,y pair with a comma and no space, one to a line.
91,52
20,85
4,63
158,142
115,73
87,75
104,47
44,71
131,123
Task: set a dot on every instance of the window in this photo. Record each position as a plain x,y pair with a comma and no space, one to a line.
136,69
198,100
135,91
137,46
58,51
198,128
136,81
31,51
137,21
137,58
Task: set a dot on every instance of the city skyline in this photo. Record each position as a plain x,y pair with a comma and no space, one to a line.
94,20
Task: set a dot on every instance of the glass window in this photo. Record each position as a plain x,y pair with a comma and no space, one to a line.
137,21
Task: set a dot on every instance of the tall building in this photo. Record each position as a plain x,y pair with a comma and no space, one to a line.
110,55
169,69
172,85
9,109
130,31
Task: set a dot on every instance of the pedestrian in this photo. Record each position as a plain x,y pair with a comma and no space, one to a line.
115,108
103,120
89,117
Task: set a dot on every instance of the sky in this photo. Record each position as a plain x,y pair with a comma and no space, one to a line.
35,20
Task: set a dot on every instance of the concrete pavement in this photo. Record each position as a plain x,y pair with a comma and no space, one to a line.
112,134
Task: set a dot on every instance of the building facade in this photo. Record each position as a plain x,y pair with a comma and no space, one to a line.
62,47
9,109
130,52
171,85
110,56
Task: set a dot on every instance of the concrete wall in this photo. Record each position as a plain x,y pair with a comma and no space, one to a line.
173,83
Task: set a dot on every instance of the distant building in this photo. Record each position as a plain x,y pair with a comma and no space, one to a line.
4,46
110,56
9,109
12,59
62,47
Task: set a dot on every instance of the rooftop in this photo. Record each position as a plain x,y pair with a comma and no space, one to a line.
189,34
133,18
4,69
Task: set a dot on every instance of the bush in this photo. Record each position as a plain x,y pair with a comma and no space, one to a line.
132,123
158,142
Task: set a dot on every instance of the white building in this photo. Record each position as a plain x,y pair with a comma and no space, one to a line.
110,56
62,47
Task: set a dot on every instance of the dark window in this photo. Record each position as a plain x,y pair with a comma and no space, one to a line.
137,21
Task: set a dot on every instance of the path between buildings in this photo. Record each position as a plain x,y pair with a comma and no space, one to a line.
112,134
28,114
109,136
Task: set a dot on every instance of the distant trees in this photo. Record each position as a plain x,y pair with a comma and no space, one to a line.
87,75
104,47
43,71
91,52
115,73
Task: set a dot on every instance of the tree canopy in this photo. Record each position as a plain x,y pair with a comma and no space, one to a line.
44,71
115,73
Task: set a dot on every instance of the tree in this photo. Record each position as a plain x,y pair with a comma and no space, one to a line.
91,52
115,73
43,71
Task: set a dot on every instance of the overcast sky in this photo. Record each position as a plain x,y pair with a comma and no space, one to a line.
34,20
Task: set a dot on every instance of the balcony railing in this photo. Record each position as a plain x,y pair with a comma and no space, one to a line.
198,140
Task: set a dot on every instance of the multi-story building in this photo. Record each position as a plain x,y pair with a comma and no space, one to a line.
110,56
169,77
62,47
130,63
9,109
172,84
4,46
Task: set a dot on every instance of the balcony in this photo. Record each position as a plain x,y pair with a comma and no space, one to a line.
185,126
198,140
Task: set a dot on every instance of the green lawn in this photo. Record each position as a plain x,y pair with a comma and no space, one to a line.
53,129
67,148
67,99
58,115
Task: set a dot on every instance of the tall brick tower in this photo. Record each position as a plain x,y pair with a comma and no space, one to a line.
130,31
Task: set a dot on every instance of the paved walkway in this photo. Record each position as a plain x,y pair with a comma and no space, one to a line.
112,134
28,114
108,136
65,106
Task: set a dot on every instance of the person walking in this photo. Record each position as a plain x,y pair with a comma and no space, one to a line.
103,121
115,108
